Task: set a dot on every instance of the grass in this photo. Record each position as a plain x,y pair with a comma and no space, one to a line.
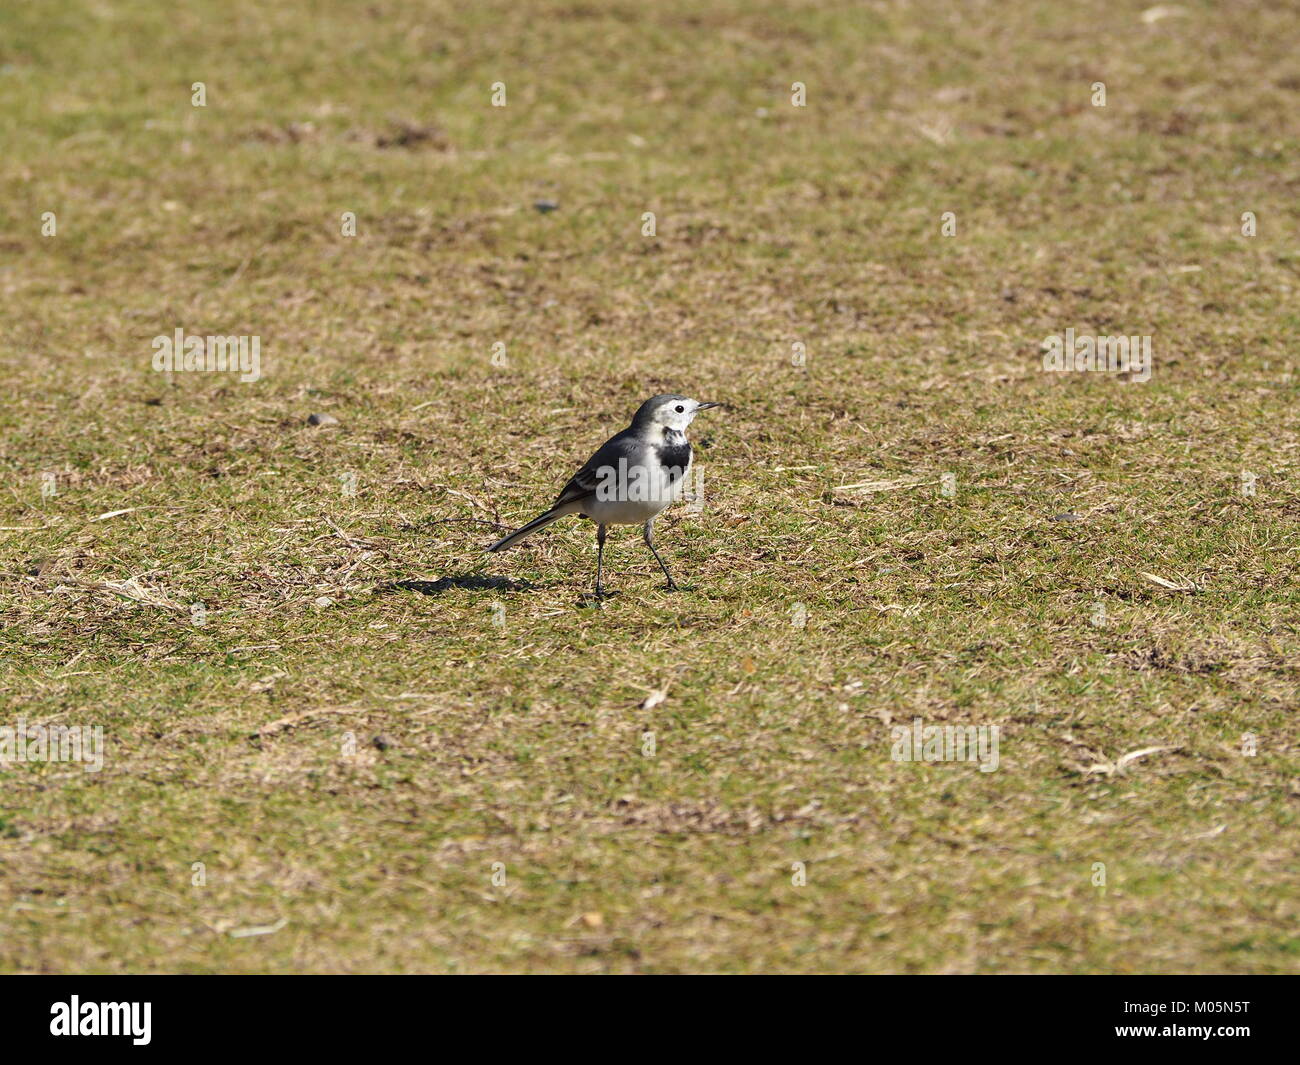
421,760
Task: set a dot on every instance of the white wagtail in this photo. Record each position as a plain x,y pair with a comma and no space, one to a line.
629,480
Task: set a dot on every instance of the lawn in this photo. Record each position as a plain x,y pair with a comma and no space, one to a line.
338,737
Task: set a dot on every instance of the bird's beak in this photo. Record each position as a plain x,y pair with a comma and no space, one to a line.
706,406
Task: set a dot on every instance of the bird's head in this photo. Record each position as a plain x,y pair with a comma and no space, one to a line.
669,412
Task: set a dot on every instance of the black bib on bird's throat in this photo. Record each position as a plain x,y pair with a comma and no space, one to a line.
675,453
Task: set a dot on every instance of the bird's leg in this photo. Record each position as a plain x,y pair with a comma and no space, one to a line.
600,559
650,543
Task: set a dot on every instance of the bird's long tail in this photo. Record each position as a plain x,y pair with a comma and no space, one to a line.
530,528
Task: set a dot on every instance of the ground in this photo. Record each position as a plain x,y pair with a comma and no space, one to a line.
339,738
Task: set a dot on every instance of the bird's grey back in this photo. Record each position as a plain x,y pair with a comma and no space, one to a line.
625,445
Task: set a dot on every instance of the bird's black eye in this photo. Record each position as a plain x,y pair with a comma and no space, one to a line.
681,409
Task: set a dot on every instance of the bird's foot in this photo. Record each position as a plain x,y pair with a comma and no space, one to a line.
598,597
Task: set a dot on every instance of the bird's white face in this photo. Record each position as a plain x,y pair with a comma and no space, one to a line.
678,413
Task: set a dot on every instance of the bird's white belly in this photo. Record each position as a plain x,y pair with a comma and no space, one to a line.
622,511
632,494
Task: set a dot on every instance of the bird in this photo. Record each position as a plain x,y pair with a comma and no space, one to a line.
630,479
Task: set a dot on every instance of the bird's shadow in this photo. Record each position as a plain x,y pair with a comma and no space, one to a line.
474,582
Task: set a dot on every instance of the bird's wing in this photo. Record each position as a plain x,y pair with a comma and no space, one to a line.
584,482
